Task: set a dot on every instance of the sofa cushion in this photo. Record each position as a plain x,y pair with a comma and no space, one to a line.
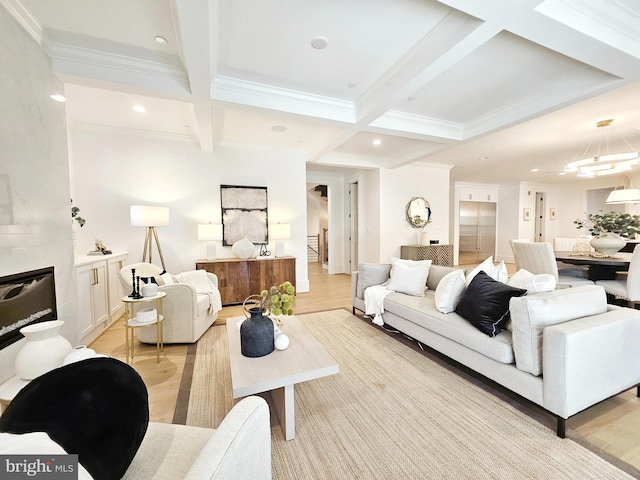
531,314
422,311
437,273
485,303
449,291
371,274
411,280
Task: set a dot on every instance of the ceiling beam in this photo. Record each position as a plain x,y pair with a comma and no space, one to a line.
195,20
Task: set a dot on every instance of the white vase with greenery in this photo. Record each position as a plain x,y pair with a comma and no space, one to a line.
610,230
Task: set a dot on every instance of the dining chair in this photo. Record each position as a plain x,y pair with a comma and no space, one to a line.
538,257
626,287
569,244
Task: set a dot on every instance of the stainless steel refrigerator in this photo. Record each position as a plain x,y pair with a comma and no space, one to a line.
477,239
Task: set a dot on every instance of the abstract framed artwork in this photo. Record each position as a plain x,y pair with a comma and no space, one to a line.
244,213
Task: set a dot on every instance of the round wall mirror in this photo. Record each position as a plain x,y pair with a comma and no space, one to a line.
418,212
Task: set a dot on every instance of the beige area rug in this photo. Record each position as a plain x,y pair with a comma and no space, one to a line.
393,413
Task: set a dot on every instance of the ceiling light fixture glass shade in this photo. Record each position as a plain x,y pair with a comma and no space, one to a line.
611,156
624,195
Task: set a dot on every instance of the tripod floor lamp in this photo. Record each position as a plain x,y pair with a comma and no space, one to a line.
150,217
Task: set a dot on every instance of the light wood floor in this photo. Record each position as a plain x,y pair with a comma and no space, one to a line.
163,379
612,427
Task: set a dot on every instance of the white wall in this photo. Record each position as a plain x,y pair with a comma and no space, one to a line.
34,157
382,198
113,171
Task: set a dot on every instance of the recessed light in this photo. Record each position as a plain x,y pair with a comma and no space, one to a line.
161,40
139,108
279,128
377,142
562,173
319,42
58,98
483,158
534,169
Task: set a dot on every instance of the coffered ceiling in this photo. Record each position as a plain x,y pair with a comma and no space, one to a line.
493,87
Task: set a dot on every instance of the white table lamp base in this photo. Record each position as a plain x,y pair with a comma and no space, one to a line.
211,251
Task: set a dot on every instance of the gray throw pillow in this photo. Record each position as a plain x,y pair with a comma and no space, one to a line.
371,274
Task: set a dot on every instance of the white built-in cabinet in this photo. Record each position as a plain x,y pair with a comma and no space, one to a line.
478,194
99,294
116,307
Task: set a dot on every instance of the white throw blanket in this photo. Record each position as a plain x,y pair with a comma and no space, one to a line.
374,302
200,282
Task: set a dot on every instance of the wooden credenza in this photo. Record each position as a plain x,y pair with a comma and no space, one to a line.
238,278
440,254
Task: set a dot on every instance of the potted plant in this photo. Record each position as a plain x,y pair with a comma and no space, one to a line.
257,332
610,230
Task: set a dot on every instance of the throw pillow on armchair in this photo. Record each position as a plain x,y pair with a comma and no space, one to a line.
97,408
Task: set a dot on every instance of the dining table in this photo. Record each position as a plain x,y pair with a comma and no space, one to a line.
599,268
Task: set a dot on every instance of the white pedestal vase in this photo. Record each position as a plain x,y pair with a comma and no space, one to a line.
45,349
608,243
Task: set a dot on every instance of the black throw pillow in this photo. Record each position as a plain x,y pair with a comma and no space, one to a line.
97,408
485,303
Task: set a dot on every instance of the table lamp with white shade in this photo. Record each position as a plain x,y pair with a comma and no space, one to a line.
210,233
280,232
150,216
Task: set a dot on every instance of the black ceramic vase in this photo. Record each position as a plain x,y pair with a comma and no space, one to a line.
256,335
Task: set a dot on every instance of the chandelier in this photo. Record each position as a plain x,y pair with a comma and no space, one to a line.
627,194
606,157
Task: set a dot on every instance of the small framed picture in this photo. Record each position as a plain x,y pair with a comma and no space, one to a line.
526,214
552,214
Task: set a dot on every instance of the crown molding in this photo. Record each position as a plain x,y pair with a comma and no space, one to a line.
24,18
612,23
424,128
134,132
233,90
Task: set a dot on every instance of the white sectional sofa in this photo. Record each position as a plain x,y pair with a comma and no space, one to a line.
568,349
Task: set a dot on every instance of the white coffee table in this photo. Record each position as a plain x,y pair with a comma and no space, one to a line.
305,359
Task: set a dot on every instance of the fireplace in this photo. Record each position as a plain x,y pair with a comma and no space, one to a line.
25,298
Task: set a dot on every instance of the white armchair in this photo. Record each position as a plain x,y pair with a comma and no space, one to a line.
186,313
240,448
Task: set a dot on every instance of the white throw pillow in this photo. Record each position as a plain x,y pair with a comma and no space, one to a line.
543,282
409,263
496,272
449,291
409,280
487,264
499,272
